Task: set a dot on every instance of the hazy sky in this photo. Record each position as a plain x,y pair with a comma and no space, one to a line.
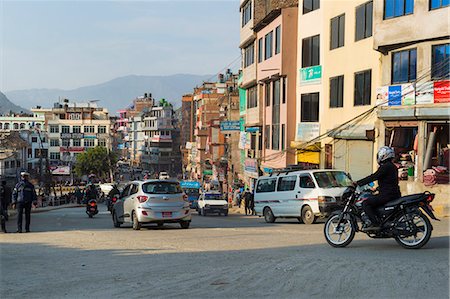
69,44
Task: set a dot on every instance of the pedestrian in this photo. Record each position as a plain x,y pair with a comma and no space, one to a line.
23,197
252,204
3,209
7,198
247,198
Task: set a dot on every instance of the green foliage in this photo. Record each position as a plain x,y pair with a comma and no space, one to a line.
164,103
96,161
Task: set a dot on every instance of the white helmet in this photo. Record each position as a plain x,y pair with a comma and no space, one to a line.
385,153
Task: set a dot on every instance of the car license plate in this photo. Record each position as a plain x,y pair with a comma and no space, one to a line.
166,214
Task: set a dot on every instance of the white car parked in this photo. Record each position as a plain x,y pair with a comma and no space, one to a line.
152,201
212,202
164,175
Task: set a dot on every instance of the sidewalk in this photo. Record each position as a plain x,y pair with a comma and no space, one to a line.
13,213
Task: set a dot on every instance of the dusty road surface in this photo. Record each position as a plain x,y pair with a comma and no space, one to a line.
69,255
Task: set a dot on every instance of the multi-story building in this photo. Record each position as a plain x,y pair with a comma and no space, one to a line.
276,37
413,39
74,127
13,155
187,130
338,72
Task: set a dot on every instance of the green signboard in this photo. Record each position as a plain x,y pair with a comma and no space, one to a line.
207,172
311,75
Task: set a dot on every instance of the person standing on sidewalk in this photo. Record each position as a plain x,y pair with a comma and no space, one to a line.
23,197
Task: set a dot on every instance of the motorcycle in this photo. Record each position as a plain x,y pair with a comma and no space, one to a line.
111,202
402,219
91,208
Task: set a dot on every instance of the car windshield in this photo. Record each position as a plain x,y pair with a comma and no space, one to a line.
213,196
162,188
332,179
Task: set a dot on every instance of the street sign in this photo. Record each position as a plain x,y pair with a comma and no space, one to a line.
233,125
311,75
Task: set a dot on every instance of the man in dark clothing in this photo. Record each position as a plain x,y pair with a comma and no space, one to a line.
3,209
23,197
387,177
247,197
6,192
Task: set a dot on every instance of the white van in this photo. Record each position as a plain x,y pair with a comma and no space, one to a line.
305,194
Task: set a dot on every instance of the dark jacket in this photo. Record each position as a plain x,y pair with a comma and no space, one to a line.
24,192
387,177
114,192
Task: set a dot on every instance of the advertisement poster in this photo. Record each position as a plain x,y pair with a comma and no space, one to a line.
242,140
442,91
408,95
382,95
395,95
307,131
425,93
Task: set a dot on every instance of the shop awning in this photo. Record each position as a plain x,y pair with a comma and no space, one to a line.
358,132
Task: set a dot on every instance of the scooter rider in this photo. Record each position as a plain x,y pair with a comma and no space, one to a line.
387,177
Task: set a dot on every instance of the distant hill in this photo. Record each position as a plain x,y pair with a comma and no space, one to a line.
6,105
114,94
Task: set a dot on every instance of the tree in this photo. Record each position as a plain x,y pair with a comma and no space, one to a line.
97,160
164,103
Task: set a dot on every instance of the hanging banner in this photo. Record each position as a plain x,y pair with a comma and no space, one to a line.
242,140
408,95
382,95
395,95
425,93
442,91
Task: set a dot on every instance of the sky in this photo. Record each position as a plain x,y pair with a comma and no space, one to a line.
70,44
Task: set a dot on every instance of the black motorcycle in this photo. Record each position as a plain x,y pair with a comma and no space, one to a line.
402,219
91,208
110,202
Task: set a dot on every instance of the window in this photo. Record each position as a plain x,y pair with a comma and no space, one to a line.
363,88
310,51
398,8
249,55
364,14
404,66
440,62
6,164
88,129
267,136
102,129
55,156
102,142
267,94
306,181
6,126
268,45
76,142
260,50
65,129
66,142
310,107
284,90
88,142
283,138
54,129
16,126
76,129
252,100
13,164
337,32
22,126
337,92
438,3
332,179
33,139
134,189
54,142
276,115
310,5
246,13
266,185
277,40
287,183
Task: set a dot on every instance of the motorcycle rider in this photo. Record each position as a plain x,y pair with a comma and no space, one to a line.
113,193
387,177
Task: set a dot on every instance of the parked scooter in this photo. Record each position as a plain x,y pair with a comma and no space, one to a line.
91,208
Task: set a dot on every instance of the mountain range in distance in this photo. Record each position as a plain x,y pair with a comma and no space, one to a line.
6,106
115,94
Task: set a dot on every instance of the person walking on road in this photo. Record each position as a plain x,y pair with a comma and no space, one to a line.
23,197
247,198
3,209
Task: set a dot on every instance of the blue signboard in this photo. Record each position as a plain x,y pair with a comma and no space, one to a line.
190,184
252,129
395,95
233,125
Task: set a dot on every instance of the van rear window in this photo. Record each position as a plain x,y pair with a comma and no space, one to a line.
266,185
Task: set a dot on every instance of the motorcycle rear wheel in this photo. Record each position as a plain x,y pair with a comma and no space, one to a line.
334,236
415,242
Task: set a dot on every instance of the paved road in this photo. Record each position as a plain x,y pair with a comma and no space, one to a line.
69,255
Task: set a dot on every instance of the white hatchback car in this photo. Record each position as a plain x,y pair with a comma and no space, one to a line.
152,201
212,202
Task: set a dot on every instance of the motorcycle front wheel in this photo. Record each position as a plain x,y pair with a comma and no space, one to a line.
339,235
419,231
